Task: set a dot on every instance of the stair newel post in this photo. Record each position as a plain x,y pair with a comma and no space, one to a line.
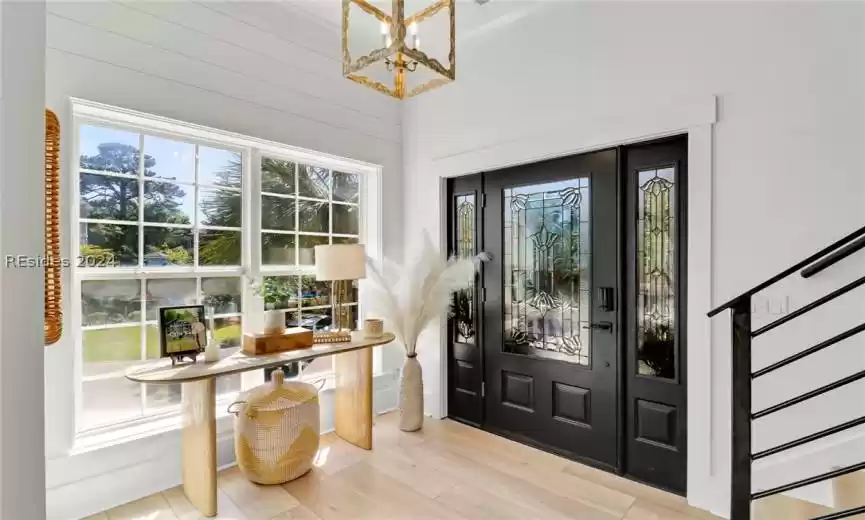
740,492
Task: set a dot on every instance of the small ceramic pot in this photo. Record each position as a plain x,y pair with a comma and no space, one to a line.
274,322
373,328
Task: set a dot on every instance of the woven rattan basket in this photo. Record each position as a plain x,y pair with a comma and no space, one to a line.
276,430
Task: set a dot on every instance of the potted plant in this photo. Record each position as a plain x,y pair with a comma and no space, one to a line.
275,292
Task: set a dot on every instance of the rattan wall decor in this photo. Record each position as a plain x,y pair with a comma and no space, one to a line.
53,290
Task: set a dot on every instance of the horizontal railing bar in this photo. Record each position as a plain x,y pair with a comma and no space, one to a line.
807,352
808,481
837,515
787,272
813,393
833,258
809,438
810,307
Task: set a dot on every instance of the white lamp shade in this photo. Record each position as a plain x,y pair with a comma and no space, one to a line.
340,262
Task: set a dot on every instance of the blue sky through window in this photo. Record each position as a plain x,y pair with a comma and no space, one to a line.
175,160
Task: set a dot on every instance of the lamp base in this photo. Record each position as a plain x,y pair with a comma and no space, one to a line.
341,315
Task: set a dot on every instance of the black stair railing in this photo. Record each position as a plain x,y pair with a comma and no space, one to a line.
741,494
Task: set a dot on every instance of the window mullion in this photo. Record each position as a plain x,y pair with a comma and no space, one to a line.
252,213
142,336
330,208
297,168
140,200
196,202
251,306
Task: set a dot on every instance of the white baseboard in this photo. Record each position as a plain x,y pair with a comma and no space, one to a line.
87,483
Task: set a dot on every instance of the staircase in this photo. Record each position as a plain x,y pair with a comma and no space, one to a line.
848,481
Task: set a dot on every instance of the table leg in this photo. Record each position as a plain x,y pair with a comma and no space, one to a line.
354,397
198,444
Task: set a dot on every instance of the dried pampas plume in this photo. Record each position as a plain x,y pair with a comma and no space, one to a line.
420,292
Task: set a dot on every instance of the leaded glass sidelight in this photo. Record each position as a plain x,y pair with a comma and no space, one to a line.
547,256
463,305
656,272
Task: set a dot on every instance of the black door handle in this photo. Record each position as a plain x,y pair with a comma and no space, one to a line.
601,325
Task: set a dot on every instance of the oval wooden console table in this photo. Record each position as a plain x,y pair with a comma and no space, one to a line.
354,413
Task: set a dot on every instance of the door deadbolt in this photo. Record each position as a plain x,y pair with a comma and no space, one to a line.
606,299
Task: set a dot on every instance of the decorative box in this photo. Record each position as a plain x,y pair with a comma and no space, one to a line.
292,339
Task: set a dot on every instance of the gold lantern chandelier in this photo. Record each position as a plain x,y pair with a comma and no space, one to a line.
388,46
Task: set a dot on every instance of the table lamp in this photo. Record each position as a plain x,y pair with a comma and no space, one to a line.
340,264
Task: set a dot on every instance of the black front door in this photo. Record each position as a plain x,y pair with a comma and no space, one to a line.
573,336
550,324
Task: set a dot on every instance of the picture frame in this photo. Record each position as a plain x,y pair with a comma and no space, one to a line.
182,332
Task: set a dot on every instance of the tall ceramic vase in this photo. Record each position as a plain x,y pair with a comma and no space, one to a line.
411,395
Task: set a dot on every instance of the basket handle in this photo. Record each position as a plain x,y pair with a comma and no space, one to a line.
319,383
277,377
235,412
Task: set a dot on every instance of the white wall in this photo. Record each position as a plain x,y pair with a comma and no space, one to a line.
22,131
787,158
260,69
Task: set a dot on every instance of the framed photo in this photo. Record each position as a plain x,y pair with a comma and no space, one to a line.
182,331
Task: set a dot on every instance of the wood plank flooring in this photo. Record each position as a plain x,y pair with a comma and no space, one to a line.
448,471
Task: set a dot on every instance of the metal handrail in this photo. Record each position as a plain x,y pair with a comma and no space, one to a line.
790,270
833,258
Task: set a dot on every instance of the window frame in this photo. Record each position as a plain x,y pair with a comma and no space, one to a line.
250,269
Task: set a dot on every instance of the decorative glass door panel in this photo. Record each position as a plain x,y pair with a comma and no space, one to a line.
463,305
546,267
656,272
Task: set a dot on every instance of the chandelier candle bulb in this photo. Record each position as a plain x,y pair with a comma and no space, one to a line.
412,29
385,35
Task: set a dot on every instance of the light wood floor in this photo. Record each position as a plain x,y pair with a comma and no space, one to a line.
446,471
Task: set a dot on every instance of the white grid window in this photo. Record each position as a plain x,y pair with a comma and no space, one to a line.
160,224
303,206
168,214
